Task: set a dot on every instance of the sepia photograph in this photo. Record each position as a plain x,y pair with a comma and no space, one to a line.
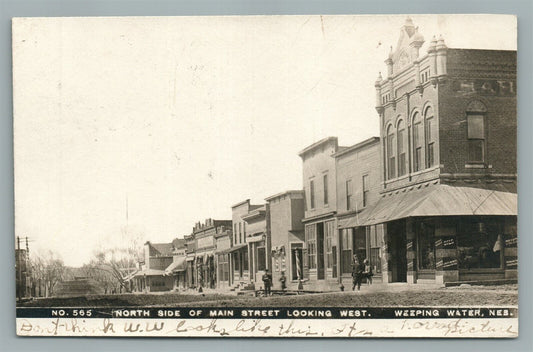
266,176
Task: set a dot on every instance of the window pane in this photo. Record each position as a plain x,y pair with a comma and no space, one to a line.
476,245
261,258
326,200
475,127
475,149
418,159
426,247
401,164
431,159
401,134
312,195
428,127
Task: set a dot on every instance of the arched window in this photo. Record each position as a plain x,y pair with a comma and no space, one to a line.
418,135
476,134
391,153
431,136
402,160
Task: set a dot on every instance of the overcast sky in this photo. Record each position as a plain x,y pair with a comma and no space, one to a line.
152,124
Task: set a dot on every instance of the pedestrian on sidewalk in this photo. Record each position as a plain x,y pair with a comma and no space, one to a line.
357,275
283,280
267,281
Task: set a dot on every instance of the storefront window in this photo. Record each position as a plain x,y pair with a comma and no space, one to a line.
426,246
479,245
346,250
261,259
329,228
360,243
376,242
310,237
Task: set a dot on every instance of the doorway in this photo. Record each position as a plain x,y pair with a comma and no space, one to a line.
398,250
320,267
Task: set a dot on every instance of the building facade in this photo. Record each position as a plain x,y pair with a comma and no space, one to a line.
447,210
222,253
203,235
239,252
286,237
320,223
358,183
151,276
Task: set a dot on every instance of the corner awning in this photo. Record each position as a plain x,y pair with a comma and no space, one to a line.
177,266
438,200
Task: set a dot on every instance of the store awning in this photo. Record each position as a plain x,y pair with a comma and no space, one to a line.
237,247
354,220
177,266
440,200
223,251
256,237
150,272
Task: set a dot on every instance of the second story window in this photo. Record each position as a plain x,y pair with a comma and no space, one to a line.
476,137
391,159
312,194
402,161
240,233
430,137
349,195
418,135
326,196
476,131
365,190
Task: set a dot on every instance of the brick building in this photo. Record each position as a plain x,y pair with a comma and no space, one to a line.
204,264
447,210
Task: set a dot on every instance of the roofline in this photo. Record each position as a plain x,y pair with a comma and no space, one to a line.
317,144
295,191
241,203
360,145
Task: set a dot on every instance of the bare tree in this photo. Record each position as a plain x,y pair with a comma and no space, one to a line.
111,265
47,270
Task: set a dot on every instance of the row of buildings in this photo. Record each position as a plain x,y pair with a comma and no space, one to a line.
431,200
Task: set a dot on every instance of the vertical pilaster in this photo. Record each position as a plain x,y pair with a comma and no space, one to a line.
411,251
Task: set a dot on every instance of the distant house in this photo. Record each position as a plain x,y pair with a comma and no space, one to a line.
151,276
176,270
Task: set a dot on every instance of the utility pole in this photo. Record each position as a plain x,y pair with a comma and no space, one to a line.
19,269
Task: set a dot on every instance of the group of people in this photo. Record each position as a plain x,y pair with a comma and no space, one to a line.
361,270
267,282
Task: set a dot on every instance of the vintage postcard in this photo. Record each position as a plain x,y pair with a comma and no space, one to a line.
266,176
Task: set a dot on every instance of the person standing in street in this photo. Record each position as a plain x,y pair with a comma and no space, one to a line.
267,282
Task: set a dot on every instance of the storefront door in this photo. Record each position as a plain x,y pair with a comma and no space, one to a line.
320,253
397,249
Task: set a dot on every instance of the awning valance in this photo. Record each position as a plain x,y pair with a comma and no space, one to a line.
256,237
237,247
177,266
440,200
150,272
